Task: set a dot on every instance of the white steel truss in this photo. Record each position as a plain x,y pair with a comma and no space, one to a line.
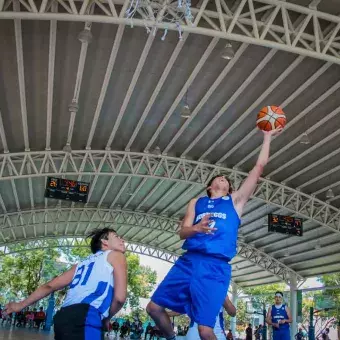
121,163
261,259
78,242
267,23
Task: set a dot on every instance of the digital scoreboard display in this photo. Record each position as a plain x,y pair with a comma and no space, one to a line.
66,189
285,224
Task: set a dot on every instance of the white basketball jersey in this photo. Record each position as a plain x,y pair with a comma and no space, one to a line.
218,329
92,283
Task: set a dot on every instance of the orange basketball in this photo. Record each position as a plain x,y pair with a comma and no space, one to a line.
271,118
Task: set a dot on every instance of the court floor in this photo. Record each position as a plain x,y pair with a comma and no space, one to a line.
7,333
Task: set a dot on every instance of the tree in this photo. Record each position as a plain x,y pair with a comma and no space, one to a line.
332,294
263,295
141,279
23,272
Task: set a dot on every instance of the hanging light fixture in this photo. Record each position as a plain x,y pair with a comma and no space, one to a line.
286,254
157,151
85,36
317,245
330,193
304,139
67,148
228,52
186,112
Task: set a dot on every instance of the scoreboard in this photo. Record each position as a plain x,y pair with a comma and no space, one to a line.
66,189
285,224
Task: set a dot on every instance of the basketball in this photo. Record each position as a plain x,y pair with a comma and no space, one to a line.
271,118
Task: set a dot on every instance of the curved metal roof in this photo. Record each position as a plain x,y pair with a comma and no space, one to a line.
108,112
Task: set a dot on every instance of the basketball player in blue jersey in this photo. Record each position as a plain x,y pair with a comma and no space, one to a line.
279,317
198,282
97,290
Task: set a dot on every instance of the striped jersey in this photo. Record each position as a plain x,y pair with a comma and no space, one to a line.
92,283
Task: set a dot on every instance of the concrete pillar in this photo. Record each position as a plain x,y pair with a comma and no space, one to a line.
293,305
234,297
50,313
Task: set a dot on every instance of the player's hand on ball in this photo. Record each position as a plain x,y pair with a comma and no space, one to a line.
272,133
13,307
203,225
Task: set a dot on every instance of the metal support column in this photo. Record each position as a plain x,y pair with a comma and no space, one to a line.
50,312
234,301
293,305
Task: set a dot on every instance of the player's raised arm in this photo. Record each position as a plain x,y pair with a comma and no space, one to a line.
55,284
247,188
188,228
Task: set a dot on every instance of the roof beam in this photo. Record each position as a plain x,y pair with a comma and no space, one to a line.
308,131
136,191
107,77
168,192
132,85
21,75
164,76
232,19
229,102
3,135
184,193
184,89
80,72
157,89
154,189
244,115
207,95
321,142
50,82
154,222
166,168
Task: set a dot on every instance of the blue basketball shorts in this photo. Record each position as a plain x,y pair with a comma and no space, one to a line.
281,334
196,285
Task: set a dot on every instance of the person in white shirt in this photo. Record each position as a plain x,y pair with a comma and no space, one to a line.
219,330
97,290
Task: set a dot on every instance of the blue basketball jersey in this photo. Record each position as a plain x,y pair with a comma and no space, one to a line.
279,314
223,242
92,283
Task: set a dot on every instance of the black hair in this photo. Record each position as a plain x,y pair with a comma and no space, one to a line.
278,292
212,179
97,236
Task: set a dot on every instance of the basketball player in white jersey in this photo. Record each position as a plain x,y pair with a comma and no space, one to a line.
193,333
97,290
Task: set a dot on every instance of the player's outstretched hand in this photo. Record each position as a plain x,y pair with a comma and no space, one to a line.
203,225
272,133
13,307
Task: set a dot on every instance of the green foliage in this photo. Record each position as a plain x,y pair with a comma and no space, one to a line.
23,272
263,295
334,294
141,280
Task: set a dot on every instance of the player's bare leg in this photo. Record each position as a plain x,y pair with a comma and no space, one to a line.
162,320
206,333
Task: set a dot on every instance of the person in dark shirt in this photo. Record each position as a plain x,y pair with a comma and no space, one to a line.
249,332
